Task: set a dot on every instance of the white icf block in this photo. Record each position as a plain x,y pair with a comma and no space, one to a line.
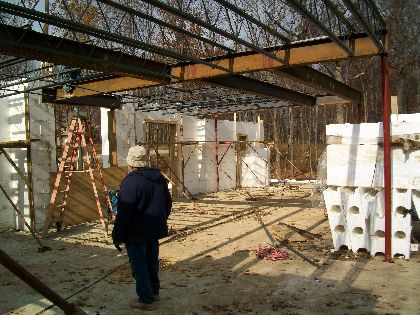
354,201
372,133
357,225
105,137
193,129
366,133
332,198
377,243
401,243
359,237
351,165
249,129
405,169
416,201
336,216
405,117
362,165
255,169
401,198
340,236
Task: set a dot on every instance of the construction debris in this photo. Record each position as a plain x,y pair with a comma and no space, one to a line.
269,252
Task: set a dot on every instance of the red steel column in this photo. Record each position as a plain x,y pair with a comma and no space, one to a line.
387,156
217,152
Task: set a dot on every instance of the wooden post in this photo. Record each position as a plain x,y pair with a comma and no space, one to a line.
29,163
291,142
394,105
27,277
112,137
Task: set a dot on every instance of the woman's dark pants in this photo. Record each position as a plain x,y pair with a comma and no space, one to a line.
144,261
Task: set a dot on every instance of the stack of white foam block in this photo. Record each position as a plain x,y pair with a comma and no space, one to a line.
12,128
355,197
42,135
200,173
43,153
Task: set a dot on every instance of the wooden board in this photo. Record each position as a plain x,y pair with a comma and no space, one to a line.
81,204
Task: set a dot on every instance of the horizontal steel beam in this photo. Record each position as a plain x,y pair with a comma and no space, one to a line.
298,54
95,32
106,101
319,80
29,44
261,88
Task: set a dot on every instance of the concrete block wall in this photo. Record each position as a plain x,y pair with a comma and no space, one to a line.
355,196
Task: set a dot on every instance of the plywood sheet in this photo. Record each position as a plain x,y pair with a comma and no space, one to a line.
81,201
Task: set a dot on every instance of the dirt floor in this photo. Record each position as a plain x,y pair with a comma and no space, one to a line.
209,264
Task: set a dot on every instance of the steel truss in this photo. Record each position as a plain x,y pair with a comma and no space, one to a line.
367,14
224,26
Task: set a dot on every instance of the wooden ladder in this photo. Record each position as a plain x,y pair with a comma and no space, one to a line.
78,133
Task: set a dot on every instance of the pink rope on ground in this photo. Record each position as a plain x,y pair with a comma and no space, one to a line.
269,252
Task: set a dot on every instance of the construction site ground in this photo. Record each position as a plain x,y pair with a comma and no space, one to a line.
209,264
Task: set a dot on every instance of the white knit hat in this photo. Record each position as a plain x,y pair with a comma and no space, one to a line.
137,157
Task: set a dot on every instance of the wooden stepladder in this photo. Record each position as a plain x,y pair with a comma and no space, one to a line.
79,137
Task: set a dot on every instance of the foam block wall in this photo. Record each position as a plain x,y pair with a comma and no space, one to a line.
43,153
355,198
42,134
200,171
12,128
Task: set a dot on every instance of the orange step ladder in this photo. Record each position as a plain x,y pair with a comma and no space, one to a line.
78,137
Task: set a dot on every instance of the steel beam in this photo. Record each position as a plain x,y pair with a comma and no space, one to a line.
107,101
15,41
301,53
319,80
74,26
340,15
258,87
11,62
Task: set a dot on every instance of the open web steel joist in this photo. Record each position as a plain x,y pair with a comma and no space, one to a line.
154,42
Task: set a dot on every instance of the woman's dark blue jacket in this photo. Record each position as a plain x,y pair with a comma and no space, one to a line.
144,205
